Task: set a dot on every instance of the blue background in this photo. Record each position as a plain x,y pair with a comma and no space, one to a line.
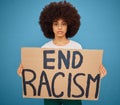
100,29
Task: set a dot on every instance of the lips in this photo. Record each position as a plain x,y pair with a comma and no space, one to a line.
60,32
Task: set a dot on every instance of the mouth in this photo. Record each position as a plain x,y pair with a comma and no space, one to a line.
60,32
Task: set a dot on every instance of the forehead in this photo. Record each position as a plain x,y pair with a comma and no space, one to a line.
59,20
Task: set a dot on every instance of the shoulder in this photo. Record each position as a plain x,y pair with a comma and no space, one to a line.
47,45
75,44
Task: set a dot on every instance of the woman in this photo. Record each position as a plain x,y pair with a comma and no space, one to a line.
60,21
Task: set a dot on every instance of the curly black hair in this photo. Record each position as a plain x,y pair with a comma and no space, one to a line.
59,10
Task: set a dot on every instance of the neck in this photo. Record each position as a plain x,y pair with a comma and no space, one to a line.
60,41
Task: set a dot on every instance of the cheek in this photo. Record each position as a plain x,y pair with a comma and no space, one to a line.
53,28
66,29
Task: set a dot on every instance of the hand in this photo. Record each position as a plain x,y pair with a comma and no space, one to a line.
103,71
19,71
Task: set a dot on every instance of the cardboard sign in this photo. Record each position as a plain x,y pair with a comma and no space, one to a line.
61,73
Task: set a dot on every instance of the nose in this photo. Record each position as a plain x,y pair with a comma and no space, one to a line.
59,26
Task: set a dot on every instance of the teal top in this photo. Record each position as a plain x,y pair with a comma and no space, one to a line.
61,102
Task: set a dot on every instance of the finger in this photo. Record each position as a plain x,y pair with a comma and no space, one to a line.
103,72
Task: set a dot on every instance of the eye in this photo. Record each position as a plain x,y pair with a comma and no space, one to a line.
64,23
55,23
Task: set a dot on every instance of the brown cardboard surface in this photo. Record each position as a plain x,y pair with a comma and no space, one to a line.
61,73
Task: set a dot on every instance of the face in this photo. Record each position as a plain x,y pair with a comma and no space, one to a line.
59,28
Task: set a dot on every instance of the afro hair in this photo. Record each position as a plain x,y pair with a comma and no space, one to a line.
59,10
